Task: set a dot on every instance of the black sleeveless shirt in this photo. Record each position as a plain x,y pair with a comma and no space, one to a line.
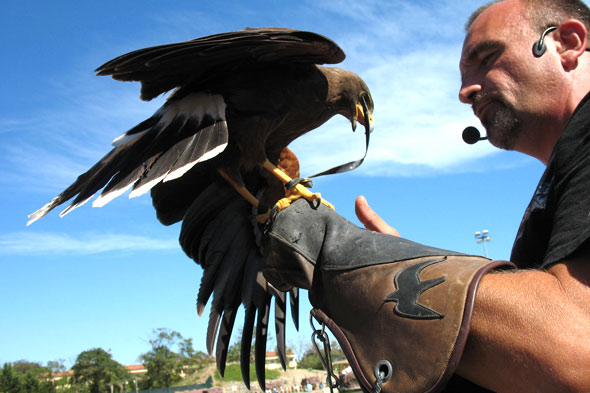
556,223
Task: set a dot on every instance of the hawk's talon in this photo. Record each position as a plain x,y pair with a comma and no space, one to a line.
299,180
298,191
296,194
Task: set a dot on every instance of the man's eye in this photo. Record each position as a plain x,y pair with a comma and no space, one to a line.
486,59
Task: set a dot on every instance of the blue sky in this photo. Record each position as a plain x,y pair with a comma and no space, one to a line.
106,277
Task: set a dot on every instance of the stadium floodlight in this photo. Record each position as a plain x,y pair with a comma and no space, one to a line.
483,237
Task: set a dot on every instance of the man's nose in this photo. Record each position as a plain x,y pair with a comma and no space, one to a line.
468,91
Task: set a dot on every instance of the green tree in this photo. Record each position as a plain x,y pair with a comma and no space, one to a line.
163,367
169,354
96,370
162,362
190,357
11,381
186,348
24,377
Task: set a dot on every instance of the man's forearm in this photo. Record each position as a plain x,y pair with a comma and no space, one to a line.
531,331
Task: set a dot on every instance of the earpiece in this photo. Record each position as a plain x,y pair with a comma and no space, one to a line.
539,47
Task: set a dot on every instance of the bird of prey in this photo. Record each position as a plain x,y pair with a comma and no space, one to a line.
238,99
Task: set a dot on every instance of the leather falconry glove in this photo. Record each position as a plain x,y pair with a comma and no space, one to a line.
400,310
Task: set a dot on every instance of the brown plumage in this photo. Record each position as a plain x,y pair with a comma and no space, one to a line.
238,99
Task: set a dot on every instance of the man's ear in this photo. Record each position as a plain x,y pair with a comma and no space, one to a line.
571,41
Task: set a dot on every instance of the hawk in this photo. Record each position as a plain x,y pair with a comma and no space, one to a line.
215,155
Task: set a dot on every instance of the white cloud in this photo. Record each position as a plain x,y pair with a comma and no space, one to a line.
39,243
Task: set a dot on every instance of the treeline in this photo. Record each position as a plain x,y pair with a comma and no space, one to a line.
95,370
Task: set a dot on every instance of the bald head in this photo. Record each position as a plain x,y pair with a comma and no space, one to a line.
543,13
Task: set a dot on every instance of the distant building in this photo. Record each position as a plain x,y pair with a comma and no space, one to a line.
136,369
273,362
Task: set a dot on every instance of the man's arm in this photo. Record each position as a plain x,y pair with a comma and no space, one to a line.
530,330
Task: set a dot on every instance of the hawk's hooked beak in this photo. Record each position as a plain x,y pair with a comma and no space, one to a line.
363,115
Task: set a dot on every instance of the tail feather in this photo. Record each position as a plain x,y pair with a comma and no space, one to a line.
260,345
246,344
227,281
227,325
212,327
280,312
206,213
294,305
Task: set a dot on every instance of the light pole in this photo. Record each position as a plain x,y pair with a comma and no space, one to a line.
483,237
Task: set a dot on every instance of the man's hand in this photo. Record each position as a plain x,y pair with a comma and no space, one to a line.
370,219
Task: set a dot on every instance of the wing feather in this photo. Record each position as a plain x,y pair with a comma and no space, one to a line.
163,152
209,142
155,146
172,199
164,67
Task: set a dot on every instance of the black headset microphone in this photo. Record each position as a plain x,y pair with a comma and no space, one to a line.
471,135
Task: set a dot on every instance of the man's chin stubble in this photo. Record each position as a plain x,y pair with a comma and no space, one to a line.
503,128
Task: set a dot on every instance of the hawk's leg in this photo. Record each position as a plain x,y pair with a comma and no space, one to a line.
247,195
298,191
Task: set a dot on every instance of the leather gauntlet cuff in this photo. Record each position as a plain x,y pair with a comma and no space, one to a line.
409,320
